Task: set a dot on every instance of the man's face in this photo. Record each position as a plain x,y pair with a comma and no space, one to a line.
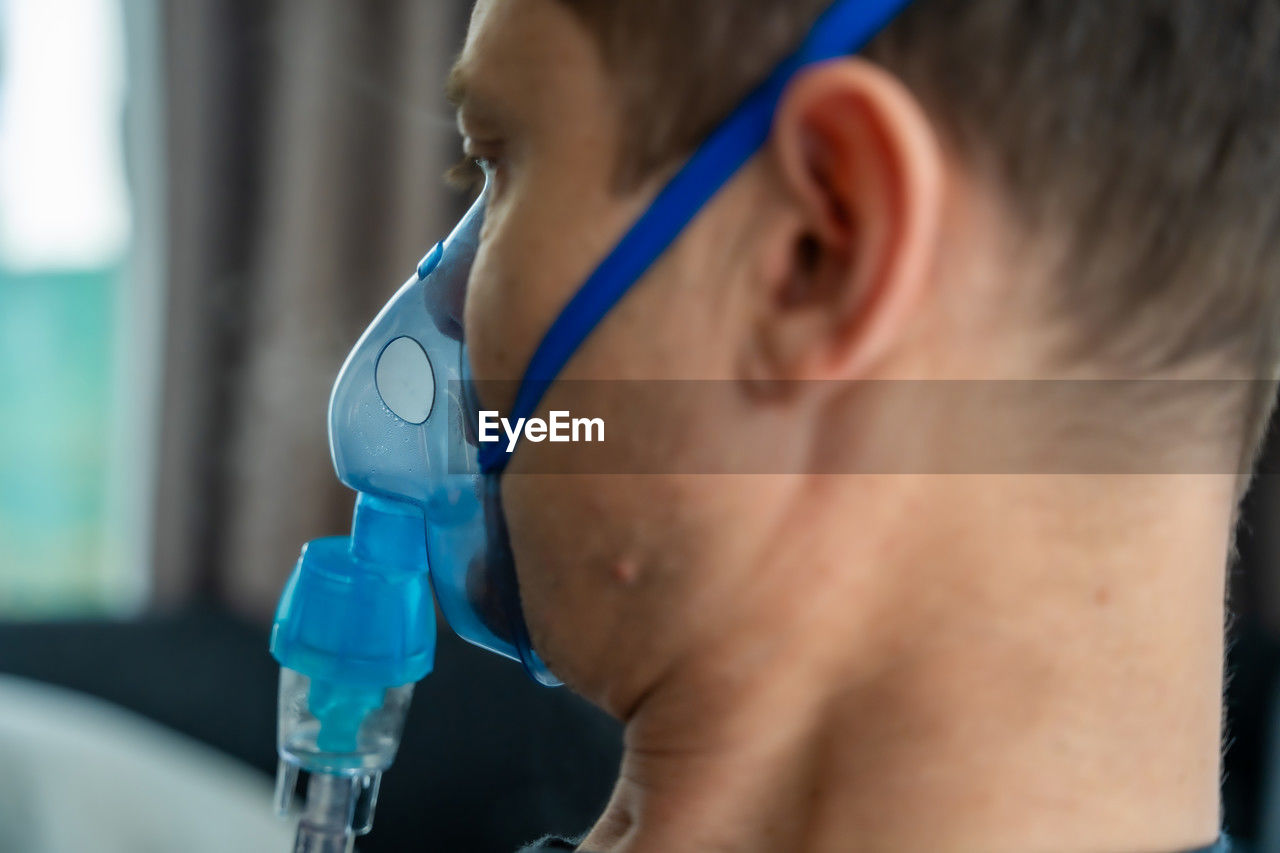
536,103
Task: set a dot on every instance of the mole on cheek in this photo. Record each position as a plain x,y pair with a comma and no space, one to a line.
626,571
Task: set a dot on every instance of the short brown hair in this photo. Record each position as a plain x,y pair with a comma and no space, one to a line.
1147,132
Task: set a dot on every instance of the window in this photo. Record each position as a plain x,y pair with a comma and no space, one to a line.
69,313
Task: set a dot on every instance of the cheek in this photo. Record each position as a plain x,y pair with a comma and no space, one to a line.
490,317
503,315
588,570
618,577
545,234
524,272
560,537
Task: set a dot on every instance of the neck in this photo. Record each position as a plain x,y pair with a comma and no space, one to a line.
1035,691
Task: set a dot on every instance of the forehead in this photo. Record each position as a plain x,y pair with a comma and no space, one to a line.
525,52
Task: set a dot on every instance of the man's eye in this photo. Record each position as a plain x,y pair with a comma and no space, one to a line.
471,172
466,175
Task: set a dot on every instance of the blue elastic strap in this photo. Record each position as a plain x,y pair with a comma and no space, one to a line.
846,27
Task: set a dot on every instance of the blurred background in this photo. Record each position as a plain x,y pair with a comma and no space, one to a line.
202,204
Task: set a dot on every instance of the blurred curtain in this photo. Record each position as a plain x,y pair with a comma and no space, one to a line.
305,144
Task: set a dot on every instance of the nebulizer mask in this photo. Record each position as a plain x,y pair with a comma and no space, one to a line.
355,627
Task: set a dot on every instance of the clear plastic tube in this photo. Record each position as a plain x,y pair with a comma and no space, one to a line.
326,824
344,738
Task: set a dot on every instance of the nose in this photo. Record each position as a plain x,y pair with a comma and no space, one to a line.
445,296
446,270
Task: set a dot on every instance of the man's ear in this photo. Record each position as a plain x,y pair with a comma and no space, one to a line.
860,170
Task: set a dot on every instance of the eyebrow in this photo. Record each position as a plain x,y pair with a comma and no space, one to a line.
457,85
469,100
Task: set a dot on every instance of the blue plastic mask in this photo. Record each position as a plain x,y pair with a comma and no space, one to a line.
356,621
402,422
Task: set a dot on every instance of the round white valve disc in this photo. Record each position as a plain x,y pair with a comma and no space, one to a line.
405,380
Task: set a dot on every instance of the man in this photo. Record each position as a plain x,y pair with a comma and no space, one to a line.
972,599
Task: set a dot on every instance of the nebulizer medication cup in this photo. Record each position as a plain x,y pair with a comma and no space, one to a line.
355,628
354,632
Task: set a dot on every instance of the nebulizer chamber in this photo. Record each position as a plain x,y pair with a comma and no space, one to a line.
354,631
